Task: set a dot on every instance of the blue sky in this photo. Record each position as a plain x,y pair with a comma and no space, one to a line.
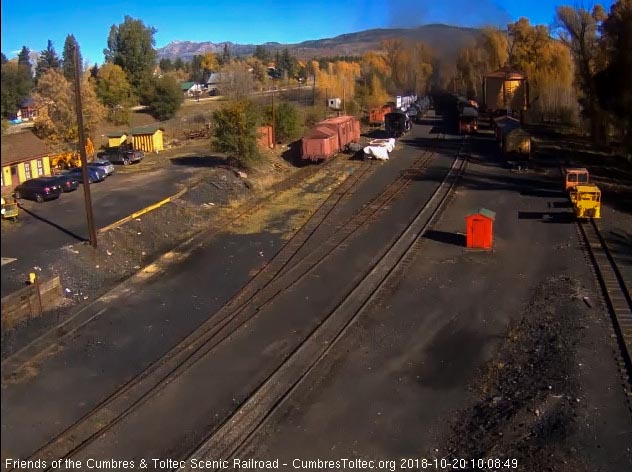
252,21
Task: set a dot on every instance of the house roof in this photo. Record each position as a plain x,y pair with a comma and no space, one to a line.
24,146
506,73
148,129
186,85
27,102
116,134
216,78
485,212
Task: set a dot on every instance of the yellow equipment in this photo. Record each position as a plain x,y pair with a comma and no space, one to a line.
72,159
10,211
586,201
574,177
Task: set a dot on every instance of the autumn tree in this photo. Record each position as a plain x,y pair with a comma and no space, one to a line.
209,62
235,132
55,99
239,81
131,46
614,84
67,58
579,29
115,92
48,59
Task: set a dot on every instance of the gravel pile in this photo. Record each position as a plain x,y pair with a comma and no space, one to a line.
528,393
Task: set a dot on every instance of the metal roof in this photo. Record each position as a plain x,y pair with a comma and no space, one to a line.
148,129
116,134
485,212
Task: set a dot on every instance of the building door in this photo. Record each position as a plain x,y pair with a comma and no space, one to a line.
479,233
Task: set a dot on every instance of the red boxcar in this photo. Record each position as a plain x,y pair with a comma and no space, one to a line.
319,143
346,127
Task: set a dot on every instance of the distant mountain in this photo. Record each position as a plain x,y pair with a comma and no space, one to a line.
443,39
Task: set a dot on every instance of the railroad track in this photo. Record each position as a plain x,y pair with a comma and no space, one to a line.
616,294
279,274
236,430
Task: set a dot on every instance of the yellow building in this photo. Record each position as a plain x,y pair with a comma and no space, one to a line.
116,138
148,138
24,157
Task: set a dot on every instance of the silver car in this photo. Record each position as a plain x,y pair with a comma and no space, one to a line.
104,164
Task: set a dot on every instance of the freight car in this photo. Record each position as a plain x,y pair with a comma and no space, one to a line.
329,137
376,116
468,120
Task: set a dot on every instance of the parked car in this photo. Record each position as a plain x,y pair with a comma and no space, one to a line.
95,174
121,155
103,164
68,182
39,189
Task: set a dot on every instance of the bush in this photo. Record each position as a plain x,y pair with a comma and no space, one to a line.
235,132
287,122
163,97
314,115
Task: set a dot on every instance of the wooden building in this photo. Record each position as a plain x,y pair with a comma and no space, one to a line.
116,138
148,138
24,157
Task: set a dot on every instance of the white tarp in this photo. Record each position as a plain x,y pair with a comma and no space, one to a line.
389,143
376,152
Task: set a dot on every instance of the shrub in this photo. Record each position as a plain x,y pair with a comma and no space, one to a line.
235,132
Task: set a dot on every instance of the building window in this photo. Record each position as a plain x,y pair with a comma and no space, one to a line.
40,168
27,170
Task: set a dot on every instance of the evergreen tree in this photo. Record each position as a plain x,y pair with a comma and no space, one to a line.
4,59
131,46
48,60
166,65
68,60
178,64
262,54
224,58
24,60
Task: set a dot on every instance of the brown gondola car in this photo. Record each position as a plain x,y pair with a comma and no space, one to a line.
319,144
346,127
376,116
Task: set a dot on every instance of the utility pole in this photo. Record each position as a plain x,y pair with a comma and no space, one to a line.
344,101
82,152
273,122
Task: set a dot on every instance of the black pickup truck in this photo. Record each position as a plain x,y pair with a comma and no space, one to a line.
121,155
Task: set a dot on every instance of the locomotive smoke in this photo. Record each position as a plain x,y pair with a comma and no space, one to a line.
411,13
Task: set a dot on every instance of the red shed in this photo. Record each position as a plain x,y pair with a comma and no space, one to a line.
264,137
319,143
480,229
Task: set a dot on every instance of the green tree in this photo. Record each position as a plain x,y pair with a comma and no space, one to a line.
48,59
163,96
224,58
178,64
131,46
114,91
67,57
24,59
235,132
16,87
166,65
4,59
197,73
263,54
287,126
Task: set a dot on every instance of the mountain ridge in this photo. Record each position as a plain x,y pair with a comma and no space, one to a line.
445,40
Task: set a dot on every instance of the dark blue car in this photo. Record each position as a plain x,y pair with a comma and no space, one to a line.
95,174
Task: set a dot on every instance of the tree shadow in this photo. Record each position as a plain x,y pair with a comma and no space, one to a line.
445,237
292,154
53,224
200,161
